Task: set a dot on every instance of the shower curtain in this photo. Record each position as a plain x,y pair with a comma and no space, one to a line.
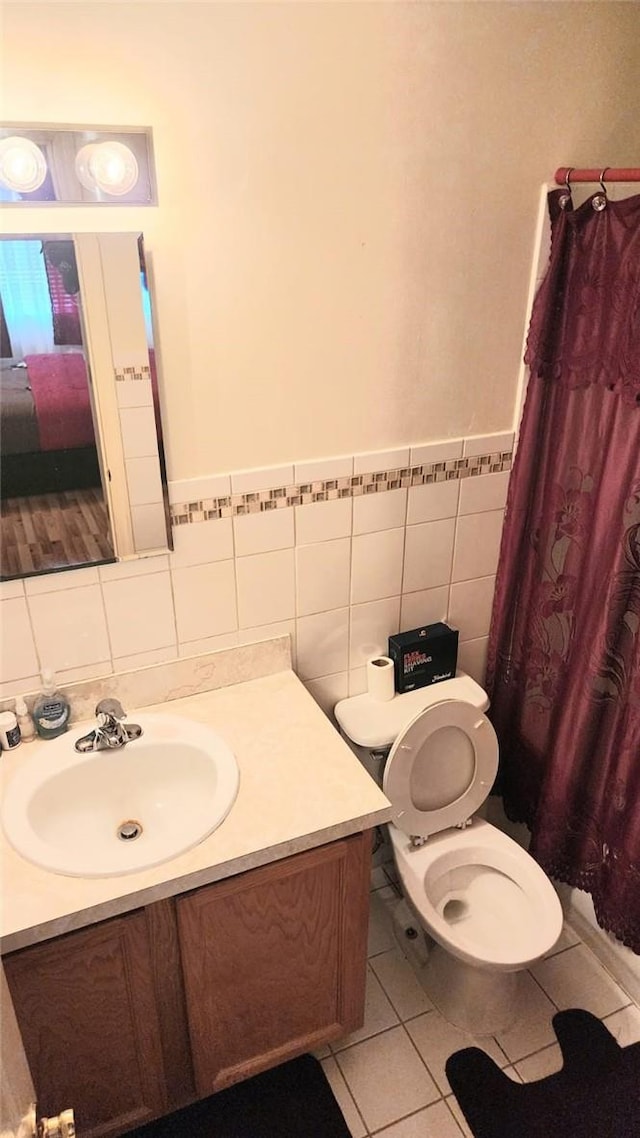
564,649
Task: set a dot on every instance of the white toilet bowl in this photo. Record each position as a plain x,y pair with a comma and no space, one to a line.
489,910
486,906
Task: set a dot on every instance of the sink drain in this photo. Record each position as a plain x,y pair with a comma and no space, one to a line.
129,831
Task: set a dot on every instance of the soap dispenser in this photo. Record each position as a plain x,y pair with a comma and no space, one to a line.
51,710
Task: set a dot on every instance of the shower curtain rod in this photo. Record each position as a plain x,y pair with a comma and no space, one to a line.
611,174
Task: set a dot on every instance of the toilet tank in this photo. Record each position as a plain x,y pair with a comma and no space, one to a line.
371,726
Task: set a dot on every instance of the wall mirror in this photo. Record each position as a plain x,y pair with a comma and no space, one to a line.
82,469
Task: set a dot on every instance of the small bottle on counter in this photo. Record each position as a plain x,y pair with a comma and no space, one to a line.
51,709
25,721
9,731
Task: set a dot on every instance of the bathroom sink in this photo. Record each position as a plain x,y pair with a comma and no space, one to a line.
106,813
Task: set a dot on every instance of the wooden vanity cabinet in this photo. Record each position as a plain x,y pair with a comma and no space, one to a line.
136,1016
274,961
86,1010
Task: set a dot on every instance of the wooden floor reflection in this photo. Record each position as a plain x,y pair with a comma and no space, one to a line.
54,531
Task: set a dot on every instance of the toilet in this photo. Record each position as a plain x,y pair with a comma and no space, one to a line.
487,908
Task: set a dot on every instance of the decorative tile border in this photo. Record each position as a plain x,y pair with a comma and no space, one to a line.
330,489
138,371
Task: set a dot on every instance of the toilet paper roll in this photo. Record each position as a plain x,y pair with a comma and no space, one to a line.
380,682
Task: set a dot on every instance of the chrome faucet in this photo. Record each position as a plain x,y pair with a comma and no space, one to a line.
112,732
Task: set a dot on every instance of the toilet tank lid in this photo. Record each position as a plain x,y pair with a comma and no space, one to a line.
375,723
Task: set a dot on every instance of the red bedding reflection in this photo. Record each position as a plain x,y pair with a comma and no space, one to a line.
60,392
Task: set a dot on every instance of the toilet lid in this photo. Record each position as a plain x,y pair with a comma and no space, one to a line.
440,768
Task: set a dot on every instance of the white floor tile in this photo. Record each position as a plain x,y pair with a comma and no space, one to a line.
380,921
401,984
343,1098
576,979
436,1040
534,1028
625,1025
540,1065
434,1122
387,1078
378,1014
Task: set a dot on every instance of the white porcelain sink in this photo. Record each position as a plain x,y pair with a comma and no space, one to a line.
63,810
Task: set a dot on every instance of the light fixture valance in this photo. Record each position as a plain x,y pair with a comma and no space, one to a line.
49,165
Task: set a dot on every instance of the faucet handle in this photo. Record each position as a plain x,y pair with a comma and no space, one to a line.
111,708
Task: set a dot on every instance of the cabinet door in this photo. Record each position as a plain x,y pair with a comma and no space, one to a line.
274,960
87,1013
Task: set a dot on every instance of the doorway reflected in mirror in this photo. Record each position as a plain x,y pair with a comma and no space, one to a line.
54,511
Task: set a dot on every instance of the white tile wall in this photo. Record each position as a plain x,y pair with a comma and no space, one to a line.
149,526
428,554
371,626
322,644
266,588
140,614
376,567
379,511
477,545
261,533
205,600
338,576
431,502
323,572
322,521
70,627
201,543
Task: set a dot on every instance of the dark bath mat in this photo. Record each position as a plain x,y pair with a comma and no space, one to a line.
595,1095
290,1101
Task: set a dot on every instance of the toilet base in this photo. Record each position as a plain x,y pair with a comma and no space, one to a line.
477,1000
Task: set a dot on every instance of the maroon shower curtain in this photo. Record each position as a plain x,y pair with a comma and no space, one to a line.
564,649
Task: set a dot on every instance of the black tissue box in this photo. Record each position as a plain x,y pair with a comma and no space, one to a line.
424,656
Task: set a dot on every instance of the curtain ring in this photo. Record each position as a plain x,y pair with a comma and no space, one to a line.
564,200
599,201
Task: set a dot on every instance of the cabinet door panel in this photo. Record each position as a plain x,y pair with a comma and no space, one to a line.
274,960
87,1013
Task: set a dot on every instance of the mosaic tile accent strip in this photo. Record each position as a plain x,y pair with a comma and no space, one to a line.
352,486
139,371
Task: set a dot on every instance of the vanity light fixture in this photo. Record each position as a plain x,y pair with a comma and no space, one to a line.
22,164
76,165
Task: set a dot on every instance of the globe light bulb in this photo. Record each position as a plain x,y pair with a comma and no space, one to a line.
108,166
22,164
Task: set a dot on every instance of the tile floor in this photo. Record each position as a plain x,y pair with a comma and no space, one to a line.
389,1076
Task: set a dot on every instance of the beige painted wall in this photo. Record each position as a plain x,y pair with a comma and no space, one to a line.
347,198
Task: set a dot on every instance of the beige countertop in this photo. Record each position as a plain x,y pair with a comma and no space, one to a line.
300,787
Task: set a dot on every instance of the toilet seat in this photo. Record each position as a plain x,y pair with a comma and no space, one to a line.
440,768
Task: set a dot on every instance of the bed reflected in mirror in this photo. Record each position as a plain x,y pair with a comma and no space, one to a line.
54,512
